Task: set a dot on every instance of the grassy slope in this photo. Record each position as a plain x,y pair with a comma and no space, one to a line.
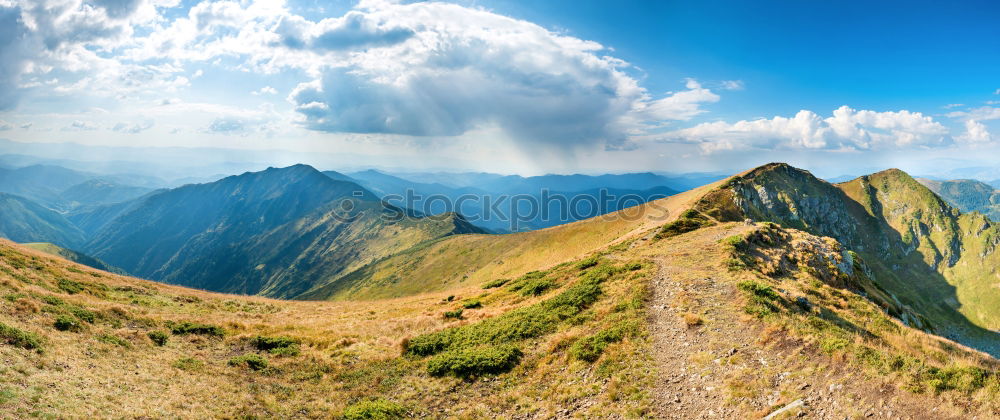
473,259
349,353
356,356
73,256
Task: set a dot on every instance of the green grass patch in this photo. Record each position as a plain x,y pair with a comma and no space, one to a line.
377,409
523,323
113,339
158,337
472,304
19,338
251,361
475,361
689,221
186,327
590,348
188,364
492,284
280,346
70,286
67,323
456,314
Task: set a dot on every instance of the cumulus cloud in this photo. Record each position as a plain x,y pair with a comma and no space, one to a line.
847,128
975,132
5,126
443,70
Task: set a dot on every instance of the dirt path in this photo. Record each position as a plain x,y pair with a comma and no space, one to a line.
715,364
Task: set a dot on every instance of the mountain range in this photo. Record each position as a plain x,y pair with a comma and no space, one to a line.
781,293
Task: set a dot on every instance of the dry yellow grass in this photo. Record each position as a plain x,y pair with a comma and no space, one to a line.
350,351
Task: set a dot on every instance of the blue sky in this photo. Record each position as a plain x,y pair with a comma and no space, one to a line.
515,87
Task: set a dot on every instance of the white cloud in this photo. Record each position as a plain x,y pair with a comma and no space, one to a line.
996,92
4,125
435,69
845,129
80,126
266,90
950,106
133,128
732,85
975,132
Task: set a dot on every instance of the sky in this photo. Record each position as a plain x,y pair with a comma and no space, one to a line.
510,86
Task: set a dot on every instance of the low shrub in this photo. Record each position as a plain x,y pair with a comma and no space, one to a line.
456,314
252,361
492,284
158,337
19,338
589,262
377,409
70,286
475,361
281,346
67,323
688,221
537,287
472,304
113,339
187,327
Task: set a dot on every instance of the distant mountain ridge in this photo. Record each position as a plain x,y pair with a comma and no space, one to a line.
276,232
968,195
541,201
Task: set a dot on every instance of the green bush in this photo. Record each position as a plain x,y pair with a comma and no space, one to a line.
186,327
70,286
495,283
472,304
378,409
18,338
537,287
475,361
250,360
282,346
67,323
589,262
159,337
456,314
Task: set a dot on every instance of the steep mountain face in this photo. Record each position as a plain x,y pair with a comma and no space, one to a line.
275,232
924,253
968,195
26,221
